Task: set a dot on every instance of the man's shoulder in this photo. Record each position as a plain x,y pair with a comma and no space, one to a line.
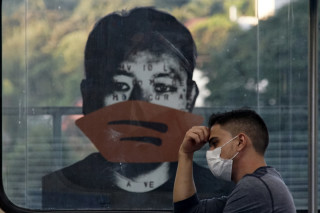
259,174
248,194
267,175
263,181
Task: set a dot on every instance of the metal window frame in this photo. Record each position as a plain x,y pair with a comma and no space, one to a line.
313,122
313,106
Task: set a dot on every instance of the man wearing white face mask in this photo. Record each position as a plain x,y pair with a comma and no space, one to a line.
237,141
220,168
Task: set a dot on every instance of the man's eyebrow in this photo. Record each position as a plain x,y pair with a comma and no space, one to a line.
213,141
122,72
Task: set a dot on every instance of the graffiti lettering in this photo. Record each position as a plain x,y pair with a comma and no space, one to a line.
151,81
125,67
149,184
148,67
115,97
158,97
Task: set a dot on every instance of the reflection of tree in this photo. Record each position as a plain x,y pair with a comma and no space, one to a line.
51,41
44,54
272,55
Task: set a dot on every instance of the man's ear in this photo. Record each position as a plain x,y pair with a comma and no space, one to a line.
243,141
193,93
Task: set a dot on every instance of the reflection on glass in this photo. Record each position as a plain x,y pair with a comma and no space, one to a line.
136,93
248,57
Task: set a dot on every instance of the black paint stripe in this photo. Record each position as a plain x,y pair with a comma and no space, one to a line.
152,140
160,127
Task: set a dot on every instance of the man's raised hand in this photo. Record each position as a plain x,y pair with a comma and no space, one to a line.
194,139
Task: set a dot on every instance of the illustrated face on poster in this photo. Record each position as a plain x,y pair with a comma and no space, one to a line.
144,76
145,117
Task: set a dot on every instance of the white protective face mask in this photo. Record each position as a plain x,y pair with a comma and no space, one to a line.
220,168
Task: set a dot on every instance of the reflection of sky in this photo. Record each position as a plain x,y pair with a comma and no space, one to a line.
264,9
201,80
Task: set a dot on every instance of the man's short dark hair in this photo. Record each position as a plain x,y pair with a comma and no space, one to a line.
117,35
244,121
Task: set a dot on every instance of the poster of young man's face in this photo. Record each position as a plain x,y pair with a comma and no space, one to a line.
138,94
146,112
146,108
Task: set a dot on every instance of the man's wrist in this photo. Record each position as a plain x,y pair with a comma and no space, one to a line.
185,155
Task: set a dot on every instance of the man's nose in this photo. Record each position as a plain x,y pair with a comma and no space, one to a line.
137,93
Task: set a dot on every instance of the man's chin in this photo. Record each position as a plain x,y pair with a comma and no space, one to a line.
132,170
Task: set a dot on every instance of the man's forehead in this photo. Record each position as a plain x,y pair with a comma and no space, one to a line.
218,130
215,127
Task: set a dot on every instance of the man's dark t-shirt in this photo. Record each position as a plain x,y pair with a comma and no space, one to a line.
263,191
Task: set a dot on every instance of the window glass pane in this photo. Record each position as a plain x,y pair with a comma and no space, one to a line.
251,53
318,116
283,68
